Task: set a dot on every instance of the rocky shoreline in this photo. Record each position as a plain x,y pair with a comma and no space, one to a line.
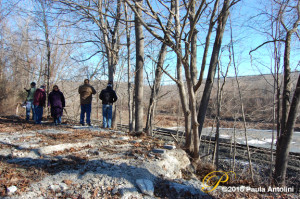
92,162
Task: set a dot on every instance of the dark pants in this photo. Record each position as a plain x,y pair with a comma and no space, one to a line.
86,108
38,114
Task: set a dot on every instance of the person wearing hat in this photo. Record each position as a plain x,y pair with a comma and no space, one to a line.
39,102
56,101
86,91
29,101
108,97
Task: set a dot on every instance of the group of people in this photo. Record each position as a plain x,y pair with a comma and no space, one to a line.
36,100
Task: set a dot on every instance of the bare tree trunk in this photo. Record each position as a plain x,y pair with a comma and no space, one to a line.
213,65
243,112
289,112
207,44
287,87
192,78
217,135
193,62
130,105
155,90
219,106
273,129
48,55
184,104
133,107
180,84
234,147
129,85
156,84
114,52
285,138
139,84
276,99
245,127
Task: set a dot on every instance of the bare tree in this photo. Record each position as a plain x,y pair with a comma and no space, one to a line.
156,83
42,15
213,64
288,15
107,18
289,109
219,107
129,83
139,70
184,56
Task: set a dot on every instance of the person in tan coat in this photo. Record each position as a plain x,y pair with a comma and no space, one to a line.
86,91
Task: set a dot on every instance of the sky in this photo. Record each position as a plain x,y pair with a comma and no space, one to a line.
248,34
245,37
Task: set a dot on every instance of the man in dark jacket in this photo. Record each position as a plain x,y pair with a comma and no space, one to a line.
56,100
108,97
86,91
39,103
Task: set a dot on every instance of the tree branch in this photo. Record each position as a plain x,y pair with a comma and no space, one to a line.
265,44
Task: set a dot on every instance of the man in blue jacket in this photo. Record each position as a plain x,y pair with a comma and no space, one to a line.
108,97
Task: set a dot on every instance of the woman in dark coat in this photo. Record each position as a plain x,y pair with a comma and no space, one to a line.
56,100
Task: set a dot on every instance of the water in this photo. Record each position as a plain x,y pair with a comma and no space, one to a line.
256,137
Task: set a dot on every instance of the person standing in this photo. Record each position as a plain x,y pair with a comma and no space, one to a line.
29,101
56,101
39,103
108,97
86,91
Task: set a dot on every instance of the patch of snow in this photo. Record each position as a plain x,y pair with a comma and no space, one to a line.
61,147
255,142
53,131
225,136
11,189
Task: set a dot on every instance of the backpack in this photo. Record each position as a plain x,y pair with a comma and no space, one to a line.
107,97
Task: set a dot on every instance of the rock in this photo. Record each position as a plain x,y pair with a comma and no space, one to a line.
115,191
151,155
161,151
183,189
136,141
124,138
55,188
12,189
120,132
93,151
168,164
86,194
123,165
63,186
105,165
170,147
146,186
192,187
127,190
